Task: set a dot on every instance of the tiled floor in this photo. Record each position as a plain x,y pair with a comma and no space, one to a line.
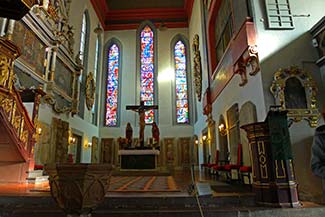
183,180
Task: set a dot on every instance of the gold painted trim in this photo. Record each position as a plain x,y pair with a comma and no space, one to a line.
277,170
262,159
197,66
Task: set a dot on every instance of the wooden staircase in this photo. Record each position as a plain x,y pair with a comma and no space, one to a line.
16,127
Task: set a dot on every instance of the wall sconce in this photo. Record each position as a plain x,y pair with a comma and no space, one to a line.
204,137
222,130
71,139
196,142
88,145
39,130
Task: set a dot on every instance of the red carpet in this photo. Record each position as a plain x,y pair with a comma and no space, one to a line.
142,184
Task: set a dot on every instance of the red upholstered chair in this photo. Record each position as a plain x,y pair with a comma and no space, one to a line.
211,165
205,165
228,167
245,171
38,167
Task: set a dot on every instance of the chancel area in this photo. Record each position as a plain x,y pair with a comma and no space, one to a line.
112,106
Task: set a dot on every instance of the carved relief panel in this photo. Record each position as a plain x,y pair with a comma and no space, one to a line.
59,140
184,150
169,152
94,150
108,151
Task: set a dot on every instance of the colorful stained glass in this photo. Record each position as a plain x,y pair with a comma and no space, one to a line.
181,83
112,86
147,71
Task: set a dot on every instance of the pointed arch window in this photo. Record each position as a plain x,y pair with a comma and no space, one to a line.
83,55
181,89
96,71
83,33
112,87
147,75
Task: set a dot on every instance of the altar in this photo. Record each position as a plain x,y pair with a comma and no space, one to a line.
138,159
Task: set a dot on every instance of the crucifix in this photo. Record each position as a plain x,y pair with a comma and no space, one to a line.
141,111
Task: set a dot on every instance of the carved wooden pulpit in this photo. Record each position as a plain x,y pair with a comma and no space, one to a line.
273,175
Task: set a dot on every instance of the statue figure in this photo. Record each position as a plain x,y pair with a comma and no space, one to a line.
155,133
141,109
128,134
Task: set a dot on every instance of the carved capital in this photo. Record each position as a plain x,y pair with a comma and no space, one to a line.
240,69
253,60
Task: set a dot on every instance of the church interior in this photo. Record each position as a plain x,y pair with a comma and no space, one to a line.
161,107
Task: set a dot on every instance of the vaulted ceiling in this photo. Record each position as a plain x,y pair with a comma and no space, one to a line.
128,14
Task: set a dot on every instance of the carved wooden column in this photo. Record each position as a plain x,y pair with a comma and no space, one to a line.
50,83
273,175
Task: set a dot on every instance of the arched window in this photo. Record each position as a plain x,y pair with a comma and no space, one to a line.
83,33
147,69
112,85
96,72
182,110
83,49
181,90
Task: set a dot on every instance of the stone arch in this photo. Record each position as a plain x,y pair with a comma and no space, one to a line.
223,141
247,115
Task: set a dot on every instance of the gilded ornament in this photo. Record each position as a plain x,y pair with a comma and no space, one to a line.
56,108
5,66
197,67
303,111
90,90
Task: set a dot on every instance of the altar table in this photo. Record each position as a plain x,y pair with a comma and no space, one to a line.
138,159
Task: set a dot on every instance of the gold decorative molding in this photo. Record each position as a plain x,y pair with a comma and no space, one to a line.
197,67
56,108
8,53
90,90
310,113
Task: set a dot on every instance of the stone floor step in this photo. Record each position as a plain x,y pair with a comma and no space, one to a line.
231,212
34,173
38,180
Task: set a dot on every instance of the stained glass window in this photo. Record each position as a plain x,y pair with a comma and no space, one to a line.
94,108
181,83
83,37
147,71
112,86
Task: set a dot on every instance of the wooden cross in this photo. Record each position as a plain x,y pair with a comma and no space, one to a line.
141,111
